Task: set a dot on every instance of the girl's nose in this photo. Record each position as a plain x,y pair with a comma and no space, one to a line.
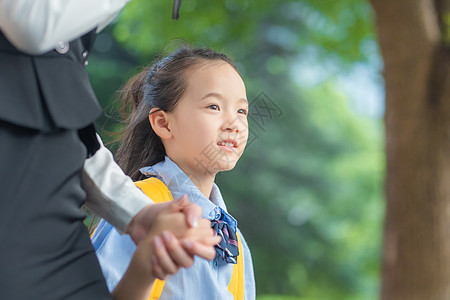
230,125
232,129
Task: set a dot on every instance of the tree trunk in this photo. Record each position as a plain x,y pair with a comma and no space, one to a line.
416,253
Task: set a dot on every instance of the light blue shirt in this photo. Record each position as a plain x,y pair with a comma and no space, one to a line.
204,279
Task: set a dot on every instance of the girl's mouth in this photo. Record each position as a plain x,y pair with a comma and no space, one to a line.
228,145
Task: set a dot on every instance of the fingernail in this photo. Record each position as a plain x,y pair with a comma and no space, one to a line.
187,244
166,236
194,221
157,242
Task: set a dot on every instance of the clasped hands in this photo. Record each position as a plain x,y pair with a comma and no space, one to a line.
168,236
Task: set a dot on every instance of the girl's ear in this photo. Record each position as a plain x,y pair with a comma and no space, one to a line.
160,123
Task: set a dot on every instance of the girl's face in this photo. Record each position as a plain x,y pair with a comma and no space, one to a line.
209,124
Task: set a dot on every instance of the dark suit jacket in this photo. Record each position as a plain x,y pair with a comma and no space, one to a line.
48,91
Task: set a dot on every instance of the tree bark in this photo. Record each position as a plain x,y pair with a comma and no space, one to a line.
416,250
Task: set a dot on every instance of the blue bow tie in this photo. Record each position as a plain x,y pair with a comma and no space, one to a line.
225,226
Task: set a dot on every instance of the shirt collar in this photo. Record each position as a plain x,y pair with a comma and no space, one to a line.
180,184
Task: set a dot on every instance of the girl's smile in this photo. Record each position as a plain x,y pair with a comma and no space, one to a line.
228,145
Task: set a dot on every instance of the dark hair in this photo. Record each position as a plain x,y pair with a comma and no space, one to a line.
160,86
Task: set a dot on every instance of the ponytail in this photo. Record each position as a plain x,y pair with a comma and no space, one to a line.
140,145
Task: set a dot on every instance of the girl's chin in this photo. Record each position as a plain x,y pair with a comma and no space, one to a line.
223,166
217,168
227,163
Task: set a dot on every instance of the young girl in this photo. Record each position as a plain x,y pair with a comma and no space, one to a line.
187,122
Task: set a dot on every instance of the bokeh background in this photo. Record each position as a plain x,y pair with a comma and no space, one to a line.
308,191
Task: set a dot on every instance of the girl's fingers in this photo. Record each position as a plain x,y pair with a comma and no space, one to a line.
210,240
157,270
176,252
203,229
196,248
163,258
204,223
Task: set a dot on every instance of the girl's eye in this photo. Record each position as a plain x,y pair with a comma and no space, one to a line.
242,111
214,107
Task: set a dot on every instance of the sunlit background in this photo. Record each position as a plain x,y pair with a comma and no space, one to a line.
307,192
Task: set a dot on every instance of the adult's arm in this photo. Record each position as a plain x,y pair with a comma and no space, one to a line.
36,26
110,193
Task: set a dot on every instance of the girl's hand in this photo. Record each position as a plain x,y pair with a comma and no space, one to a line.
177,249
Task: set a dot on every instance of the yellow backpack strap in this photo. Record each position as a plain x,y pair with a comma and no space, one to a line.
156,190
236,286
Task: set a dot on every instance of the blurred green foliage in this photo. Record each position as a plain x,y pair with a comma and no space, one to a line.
307,191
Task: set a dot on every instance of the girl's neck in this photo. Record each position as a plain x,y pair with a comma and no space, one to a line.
204,181
204,184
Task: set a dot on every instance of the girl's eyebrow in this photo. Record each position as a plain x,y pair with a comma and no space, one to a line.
218,95
244,100
213,94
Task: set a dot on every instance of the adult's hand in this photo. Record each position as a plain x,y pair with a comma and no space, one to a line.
142,223
177,249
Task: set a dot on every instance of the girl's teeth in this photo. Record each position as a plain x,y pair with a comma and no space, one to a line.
227,144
